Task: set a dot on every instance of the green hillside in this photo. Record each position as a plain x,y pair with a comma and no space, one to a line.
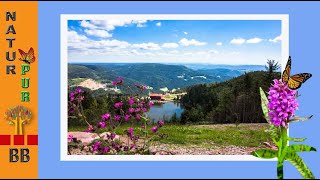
234,101
150,74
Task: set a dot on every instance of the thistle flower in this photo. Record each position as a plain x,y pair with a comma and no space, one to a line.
160,123
131,101
78,90
70,138
106,149
130,132
126,117
150,103
102,124
141,103
71,96
131,110
96,146
111,136
282,103
118,104
105,116
154,129
117,117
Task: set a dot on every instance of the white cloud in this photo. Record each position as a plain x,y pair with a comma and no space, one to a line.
135,52
276,39
102,28
87,24
186,33
80,44
192,42
73,36
237,41
174,52
170,45
158,24
109,25
254,40
98,33
219,43
213,52
113,43
140,23
147,46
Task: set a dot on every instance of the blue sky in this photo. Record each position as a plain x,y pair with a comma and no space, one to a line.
174,41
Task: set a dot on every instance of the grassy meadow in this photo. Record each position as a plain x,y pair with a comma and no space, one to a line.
206,136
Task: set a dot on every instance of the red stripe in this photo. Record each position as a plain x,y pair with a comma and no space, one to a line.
32,139
18,140
5,140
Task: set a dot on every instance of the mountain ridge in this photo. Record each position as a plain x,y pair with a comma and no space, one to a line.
155,75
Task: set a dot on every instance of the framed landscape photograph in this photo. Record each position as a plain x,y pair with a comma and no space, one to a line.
168,87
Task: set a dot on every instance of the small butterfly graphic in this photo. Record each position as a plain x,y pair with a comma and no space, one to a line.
294,82
27,57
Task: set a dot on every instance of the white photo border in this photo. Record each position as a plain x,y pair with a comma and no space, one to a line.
284,18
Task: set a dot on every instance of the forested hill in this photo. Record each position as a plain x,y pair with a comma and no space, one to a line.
234,101
150,74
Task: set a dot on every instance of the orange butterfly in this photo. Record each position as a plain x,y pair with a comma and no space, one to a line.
294,82
27,57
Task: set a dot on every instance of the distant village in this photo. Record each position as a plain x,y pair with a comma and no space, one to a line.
165,96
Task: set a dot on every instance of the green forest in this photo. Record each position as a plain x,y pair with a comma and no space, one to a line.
236,100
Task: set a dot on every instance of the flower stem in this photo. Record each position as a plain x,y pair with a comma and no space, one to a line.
146,134
83,116
282,151
280,170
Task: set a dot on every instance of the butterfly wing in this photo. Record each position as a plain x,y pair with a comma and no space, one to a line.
23,54
27,57
286,72
30,56
296,81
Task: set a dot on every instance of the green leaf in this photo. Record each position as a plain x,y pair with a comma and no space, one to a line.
298,119
273,130
264,104
296,160
274,133
296,139
300,148
265,153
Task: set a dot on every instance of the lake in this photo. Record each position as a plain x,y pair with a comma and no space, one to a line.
164,111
